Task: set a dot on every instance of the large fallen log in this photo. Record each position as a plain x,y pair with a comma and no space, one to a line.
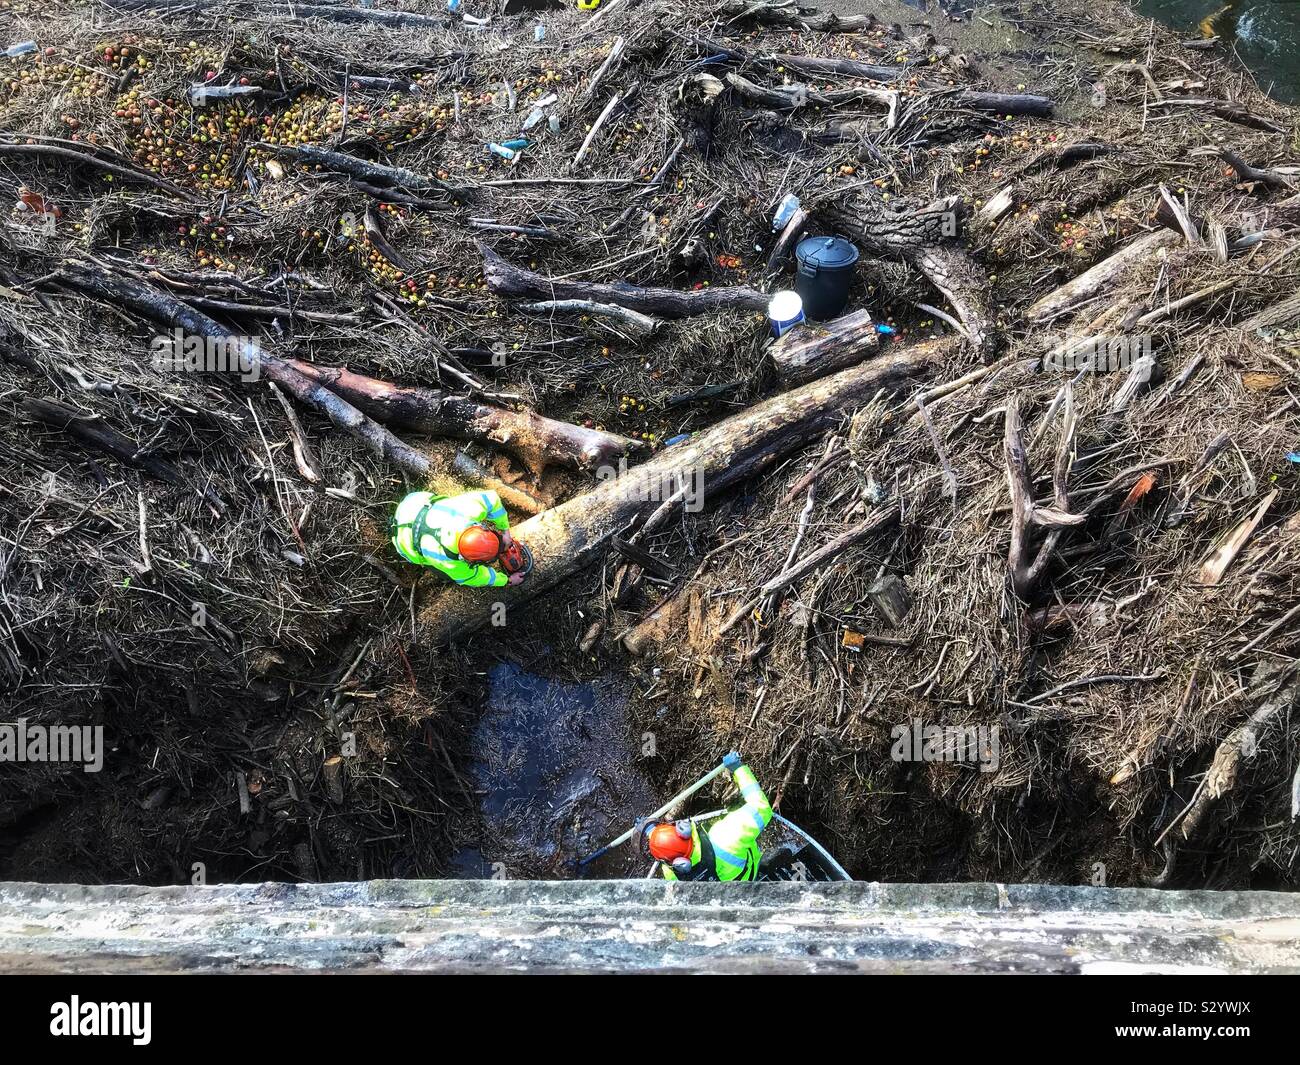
506,279
1079,289
815,350
820,67
809,19
925,239
572,536
537,441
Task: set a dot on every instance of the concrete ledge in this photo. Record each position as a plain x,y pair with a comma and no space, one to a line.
613,926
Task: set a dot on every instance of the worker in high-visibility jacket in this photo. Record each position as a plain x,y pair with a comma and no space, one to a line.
463,536
727,851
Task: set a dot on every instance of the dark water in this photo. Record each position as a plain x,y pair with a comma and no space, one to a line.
1265,33
560,775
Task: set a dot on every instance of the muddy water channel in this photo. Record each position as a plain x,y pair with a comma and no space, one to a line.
558,773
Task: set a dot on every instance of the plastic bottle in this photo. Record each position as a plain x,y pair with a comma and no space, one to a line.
21,48
539,32
785,211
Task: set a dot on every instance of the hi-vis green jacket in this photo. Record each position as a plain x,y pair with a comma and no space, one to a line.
733,841
426,529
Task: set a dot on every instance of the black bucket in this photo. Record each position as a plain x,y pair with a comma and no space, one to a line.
824,274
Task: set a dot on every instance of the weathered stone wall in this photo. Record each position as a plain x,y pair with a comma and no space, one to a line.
602,926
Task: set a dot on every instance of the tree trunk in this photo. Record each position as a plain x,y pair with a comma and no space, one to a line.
506,279
1093,280
789,17
925,240
574,535
813,350
537,441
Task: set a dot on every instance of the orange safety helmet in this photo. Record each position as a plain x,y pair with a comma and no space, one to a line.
479,544
668,842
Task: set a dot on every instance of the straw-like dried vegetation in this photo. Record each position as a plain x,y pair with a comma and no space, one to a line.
967,525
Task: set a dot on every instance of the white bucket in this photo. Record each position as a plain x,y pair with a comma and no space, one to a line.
785,311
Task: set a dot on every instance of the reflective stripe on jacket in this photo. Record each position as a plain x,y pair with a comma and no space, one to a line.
440,522
734,838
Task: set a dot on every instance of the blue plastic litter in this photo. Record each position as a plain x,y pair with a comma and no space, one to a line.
678,439
885,330
518,144
1293,456
785,211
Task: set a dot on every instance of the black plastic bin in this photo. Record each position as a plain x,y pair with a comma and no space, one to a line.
824,274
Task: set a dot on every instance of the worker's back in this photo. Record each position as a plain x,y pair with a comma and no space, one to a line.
732,843
427,529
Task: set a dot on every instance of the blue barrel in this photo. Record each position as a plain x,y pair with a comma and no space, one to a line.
824,274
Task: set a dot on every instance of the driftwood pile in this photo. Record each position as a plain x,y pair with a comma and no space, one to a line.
1054,502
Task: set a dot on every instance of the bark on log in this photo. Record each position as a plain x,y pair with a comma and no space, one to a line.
820,66
808,19
785,243
537,441
1000,103
373,173
923,239
813,351
1092,281
574,535
1275,314
332,771
891,598
1227,110
1247,174
853,68
637,324
699,101
1027,567
791,97
506,279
